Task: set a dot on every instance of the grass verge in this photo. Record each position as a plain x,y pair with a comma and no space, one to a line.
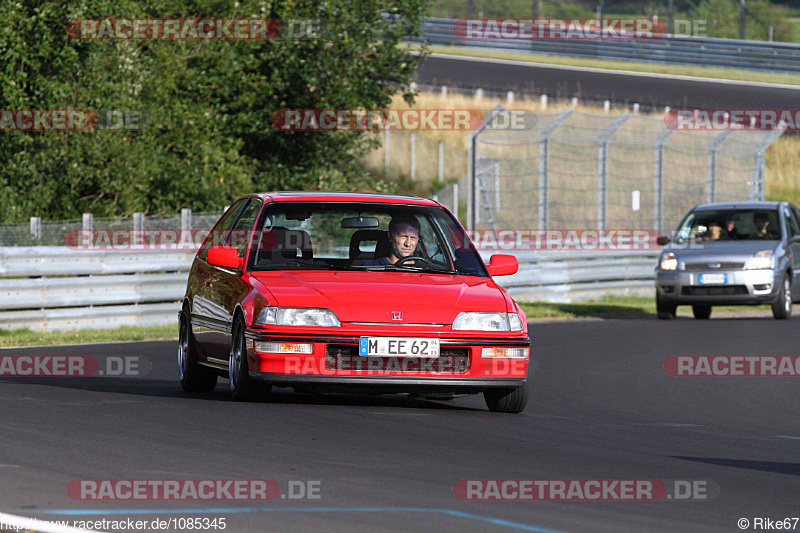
633,66
621,307
26,337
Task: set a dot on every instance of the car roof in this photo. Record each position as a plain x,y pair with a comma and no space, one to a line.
737,205
339,196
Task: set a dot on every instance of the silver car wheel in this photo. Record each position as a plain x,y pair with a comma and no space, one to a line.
183,349
235,360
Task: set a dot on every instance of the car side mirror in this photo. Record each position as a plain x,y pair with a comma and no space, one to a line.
502,265
661,240
224,256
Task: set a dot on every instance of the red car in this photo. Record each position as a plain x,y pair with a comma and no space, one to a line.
348,291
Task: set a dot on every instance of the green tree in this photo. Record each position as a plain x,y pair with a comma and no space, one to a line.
205,135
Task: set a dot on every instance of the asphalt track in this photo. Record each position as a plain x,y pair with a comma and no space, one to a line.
597,85
602,408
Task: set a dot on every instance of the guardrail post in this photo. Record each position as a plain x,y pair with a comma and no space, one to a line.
138,222
88,222
602,169
36,227
658,186
186,219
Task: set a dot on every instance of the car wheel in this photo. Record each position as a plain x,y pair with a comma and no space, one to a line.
701,312
506,400
665,311
782,306
193,376
243,387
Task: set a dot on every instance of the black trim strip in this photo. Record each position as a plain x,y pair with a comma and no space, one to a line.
270,377
217,324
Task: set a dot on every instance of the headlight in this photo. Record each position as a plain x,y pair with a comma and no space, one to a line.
669,262
760,261
298,316
487,322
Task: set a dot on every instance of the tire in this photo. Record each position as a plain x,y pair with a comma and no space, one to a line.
192,376
782,306
243,387
701,312
664,310
506,400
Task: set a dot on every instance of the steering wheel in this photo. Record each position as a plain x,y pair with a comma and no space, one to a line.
423,260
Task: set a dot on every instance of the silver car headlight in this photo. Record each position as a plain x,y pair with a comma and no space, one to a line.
487,322
669,261
298,316
762,260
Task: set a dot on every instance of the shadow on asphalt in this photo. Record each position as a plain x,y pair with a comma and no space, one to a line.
793,469
171,389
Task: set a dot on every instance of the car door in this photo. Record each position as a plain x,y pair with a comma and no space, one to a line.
225,287
207,319
792,217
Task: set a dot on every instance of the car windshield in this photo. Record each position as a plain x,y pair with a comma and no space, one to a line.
356,236
730,225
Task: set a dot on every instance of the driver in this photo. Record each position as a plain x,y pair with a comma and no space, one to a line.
403,237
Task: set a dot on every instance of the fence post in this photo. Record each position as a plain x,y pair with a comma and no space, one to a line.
36,227
544,166
386,140
88,222
602,169
441,161
413,156
658,186
472,189
186,219
455,199
711,192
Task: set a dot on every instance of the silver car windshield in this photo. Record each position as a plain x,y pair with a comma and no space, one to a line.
730,225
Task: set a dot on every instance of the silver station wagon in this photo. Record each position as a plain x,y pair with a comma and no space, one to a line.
744,253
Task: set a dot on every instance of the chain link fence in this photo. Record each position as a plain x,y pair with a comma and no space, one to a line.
580,170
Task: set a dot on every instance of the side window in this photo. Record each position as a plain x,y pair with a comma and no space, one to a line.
240,235
791,223
220,230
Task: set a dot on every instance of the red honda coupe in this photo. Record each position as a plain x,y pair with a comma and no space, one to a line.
323,291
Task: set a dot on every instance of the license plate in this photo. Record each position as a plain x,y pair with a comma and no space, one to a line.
713,279
398,347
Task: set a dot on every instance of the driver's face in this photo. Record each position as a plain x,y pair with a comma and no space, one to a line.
404,241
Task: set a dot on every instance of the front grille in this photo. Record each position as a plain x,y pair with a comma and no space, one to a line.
714,291
452,360
723,265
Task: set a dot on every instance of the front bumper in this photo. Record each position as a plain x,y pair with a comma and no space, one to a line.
742,287
335,361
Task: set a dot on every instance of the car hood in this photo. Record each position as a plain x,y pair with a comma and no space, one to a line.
731,250
372,296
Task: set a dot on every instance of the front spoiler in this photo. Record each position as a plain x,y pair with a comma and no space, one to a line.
390,381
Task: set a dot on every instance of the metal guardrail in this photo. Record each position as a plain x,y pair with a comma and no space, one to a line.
680,50
55,288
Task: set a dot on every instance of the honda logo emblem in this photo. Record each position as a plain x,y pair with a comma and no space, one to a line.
397,315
